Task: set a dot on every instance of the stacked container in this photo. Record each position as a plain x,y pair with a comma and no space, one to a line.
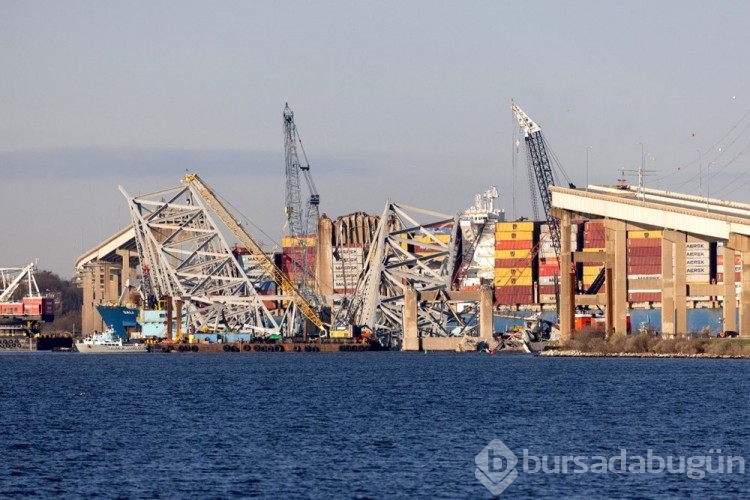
515,265
722,268
593,241
348,262
644,262
298,258
549,265
698,259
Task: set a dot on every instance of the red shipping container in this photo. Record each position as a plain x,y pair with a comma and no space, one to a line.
652,260
513,263
641,251
514,244
514,294
644,297
549,270
644,242
644,269
546,289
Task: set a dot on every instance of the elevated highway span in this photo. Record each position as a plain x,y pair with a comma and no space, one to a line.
680,217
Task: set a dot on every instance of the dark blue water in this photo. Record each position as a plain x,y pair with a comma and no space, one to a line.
358,425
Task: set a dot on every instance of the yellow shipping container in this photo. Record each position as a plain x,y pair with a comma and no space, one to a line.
442,237
514,226
645,234
339,334
514,235
293,242
513,280
524,253
512,272
591,271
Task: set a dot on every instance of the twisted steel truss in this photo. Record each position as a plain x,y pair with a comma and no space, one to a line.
184,256
407,254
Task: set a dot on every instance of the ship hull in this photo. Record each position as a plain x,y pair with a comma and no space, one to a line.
84,348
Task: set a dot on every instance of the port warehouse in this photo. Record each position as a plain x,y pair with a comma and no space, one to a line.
518,258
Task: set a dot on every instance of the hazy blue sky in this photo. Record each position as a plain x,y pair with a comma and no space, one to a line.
407,100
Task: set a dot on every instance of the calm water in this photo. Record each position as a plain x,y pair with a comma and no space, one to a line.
358,425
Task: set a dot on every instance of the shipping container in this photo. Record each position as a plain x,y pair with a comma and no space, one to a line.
652,260
514,254
644,251
515,226
645,234
513,244
644,297
547,299
514,295
501,281
546,289
515,235
513,272
513,263
644,242
295,242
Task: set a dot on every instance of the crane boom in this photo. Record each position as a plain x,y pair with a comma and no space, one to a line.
7,290
246,240
538,160
301,223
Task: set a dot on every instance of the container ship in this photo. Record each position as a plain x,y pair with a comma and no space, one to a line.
119,318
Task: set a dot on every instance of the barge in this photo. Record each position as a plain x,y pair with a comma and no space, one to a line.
294,346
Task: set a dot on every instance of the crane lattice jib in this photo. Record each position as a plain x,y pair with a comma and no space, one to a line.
6,292
293,207
239,232
537,157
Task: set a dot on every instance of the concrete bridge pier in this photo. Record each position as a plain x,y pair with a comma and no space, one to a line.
741,244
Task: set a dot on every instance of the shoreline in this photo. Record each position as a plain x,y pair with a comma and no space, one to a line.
571,353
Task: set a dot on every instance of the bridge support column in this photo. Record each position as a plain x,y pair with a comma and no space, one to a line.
667,284
741,243
486,324
617,290
729,304
411,340
324,260
567,281
680,283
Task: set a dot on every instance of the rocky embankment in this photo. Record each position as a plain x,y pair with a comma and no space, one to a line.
650,346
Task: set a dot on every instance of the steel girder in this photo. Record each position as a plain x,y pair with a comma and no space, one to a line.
184,256
407,253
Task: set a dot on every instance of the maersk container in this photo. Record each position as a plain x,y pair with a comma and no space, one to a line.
548,280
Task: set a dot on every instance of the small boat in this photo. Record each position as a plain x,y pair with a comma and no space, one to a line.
107,343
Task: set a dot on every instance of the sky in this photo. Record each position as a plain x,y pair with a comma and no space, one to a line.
407,101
